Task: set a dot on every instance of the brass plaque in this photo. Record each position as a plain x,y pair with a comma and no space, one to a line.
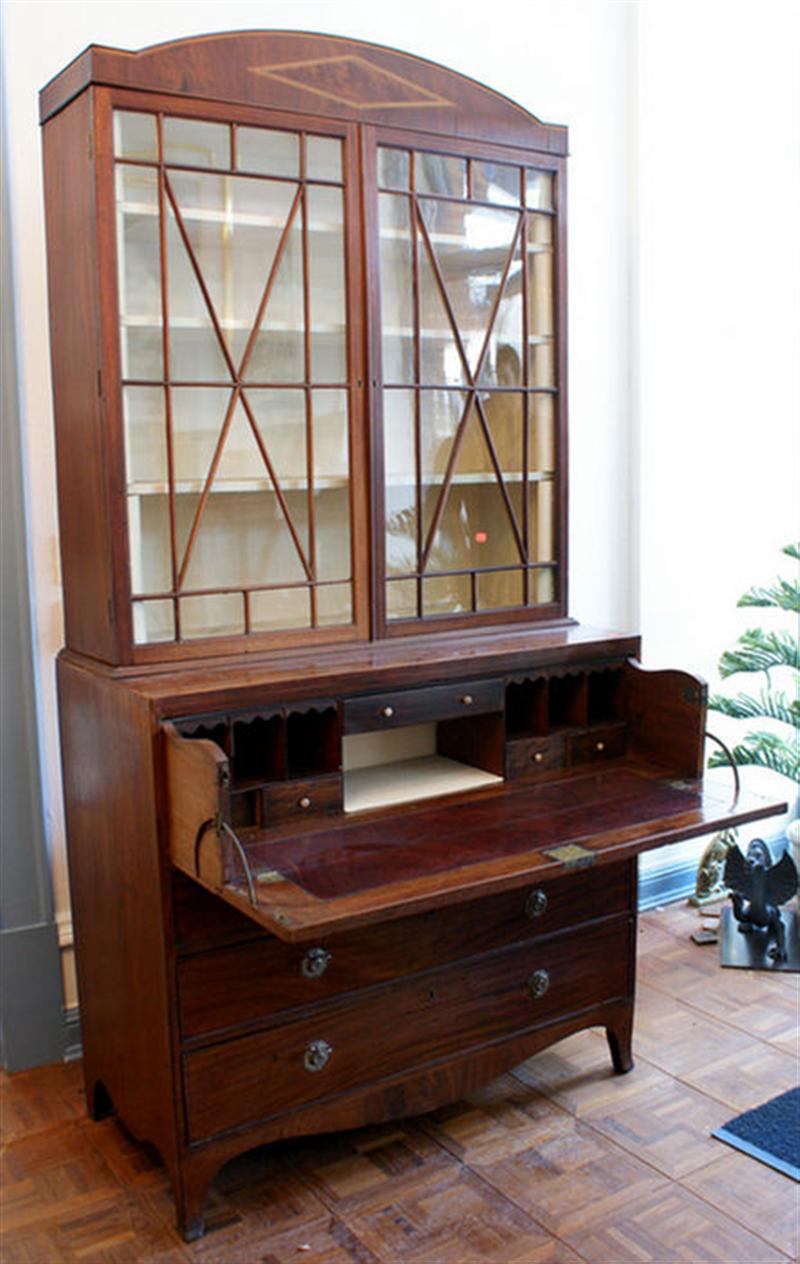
572,855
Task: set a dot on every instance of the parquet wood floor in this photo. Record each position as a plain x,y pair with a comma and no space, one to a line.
560,1162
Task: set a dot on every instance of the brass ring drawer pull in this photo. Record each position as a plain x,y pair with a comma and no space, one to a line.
317,1055
536,904
387,712
538,983
315,963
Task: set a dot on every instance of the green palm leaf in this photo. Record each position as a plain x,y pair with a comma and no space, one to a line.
763,750
783,594
773,706
759,651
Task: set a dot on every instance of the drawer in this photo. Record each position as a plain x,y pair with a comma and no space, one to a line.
404,1025
252,983
420,706
312,797
598,744
531,757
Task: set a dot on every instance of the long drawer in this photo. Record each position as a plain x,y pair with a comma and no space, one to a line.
418,706
249,982
404,1025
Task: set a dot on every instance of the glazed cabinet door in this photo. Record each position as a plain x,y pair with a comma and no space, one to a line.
240,371
469,400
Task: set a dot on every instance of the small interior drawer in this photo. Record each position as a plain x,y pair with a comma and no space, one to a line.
418,706
598,744
405,1025
532,757
310,797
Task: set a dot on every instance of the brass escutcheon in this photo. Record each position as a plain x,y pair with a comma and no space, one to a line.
317,1055
538,983
536,904
315,963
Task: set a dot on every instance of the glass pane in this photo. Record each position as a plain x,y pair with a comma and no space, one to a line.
401,599
268,152
500,588
193,143
198,414
441,360
539,190
323,158
216,615
145,437
496,182
540,293
440,173
334,605
242,539
279,609
281,420
505,417
542,451
139,273
332,533
150,546
153,621
400,487
135,136
233,225
397,277
441,412
278,353
542,587
541,361
475,528
326,284
394,168
472,245
450,594
331,448
542,521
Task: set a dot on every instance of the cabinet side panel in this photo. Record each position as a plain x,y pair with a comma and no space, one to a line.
116,878
75,360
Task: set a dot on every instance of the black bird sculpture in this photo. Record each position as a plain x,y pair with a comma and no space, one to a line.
757,889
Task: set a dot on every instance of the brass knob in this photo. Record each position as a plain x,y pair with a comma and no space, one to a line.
387,712
305,802
599,746
467,700
538,983
315,963
536,904
317,1055
538,757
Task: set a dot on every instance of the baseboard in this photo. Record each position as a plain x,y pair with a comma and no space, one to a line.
73,1048
664,886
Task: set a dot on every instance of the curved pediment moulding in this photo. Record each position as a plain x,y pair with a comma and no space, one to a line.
349,79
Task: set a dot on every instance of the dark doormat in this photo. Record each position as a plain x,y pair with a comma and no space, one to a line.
770,1133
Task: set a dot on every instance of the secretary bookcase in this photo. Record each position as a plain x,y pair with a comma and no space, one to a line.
353,806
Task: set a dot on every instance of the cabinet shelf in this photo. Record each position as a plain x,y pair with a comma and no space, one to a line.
194,486
238,219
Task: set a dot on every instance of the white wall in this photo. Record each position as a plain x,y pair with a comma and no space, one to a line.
719,327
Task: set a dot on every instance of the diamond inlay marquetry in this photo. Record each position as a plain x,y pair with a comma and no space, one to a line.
353,81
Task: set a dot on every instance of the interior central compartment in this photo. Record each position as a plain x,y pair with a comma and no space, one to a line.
421,761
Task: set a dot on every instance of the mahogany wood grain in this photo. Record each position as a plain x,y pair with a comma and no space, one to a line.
254,983
475,740
302,798
532,758
117,885
420,706
320,74
405,1025
597,744
667,716
197,783
78,387
394,864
